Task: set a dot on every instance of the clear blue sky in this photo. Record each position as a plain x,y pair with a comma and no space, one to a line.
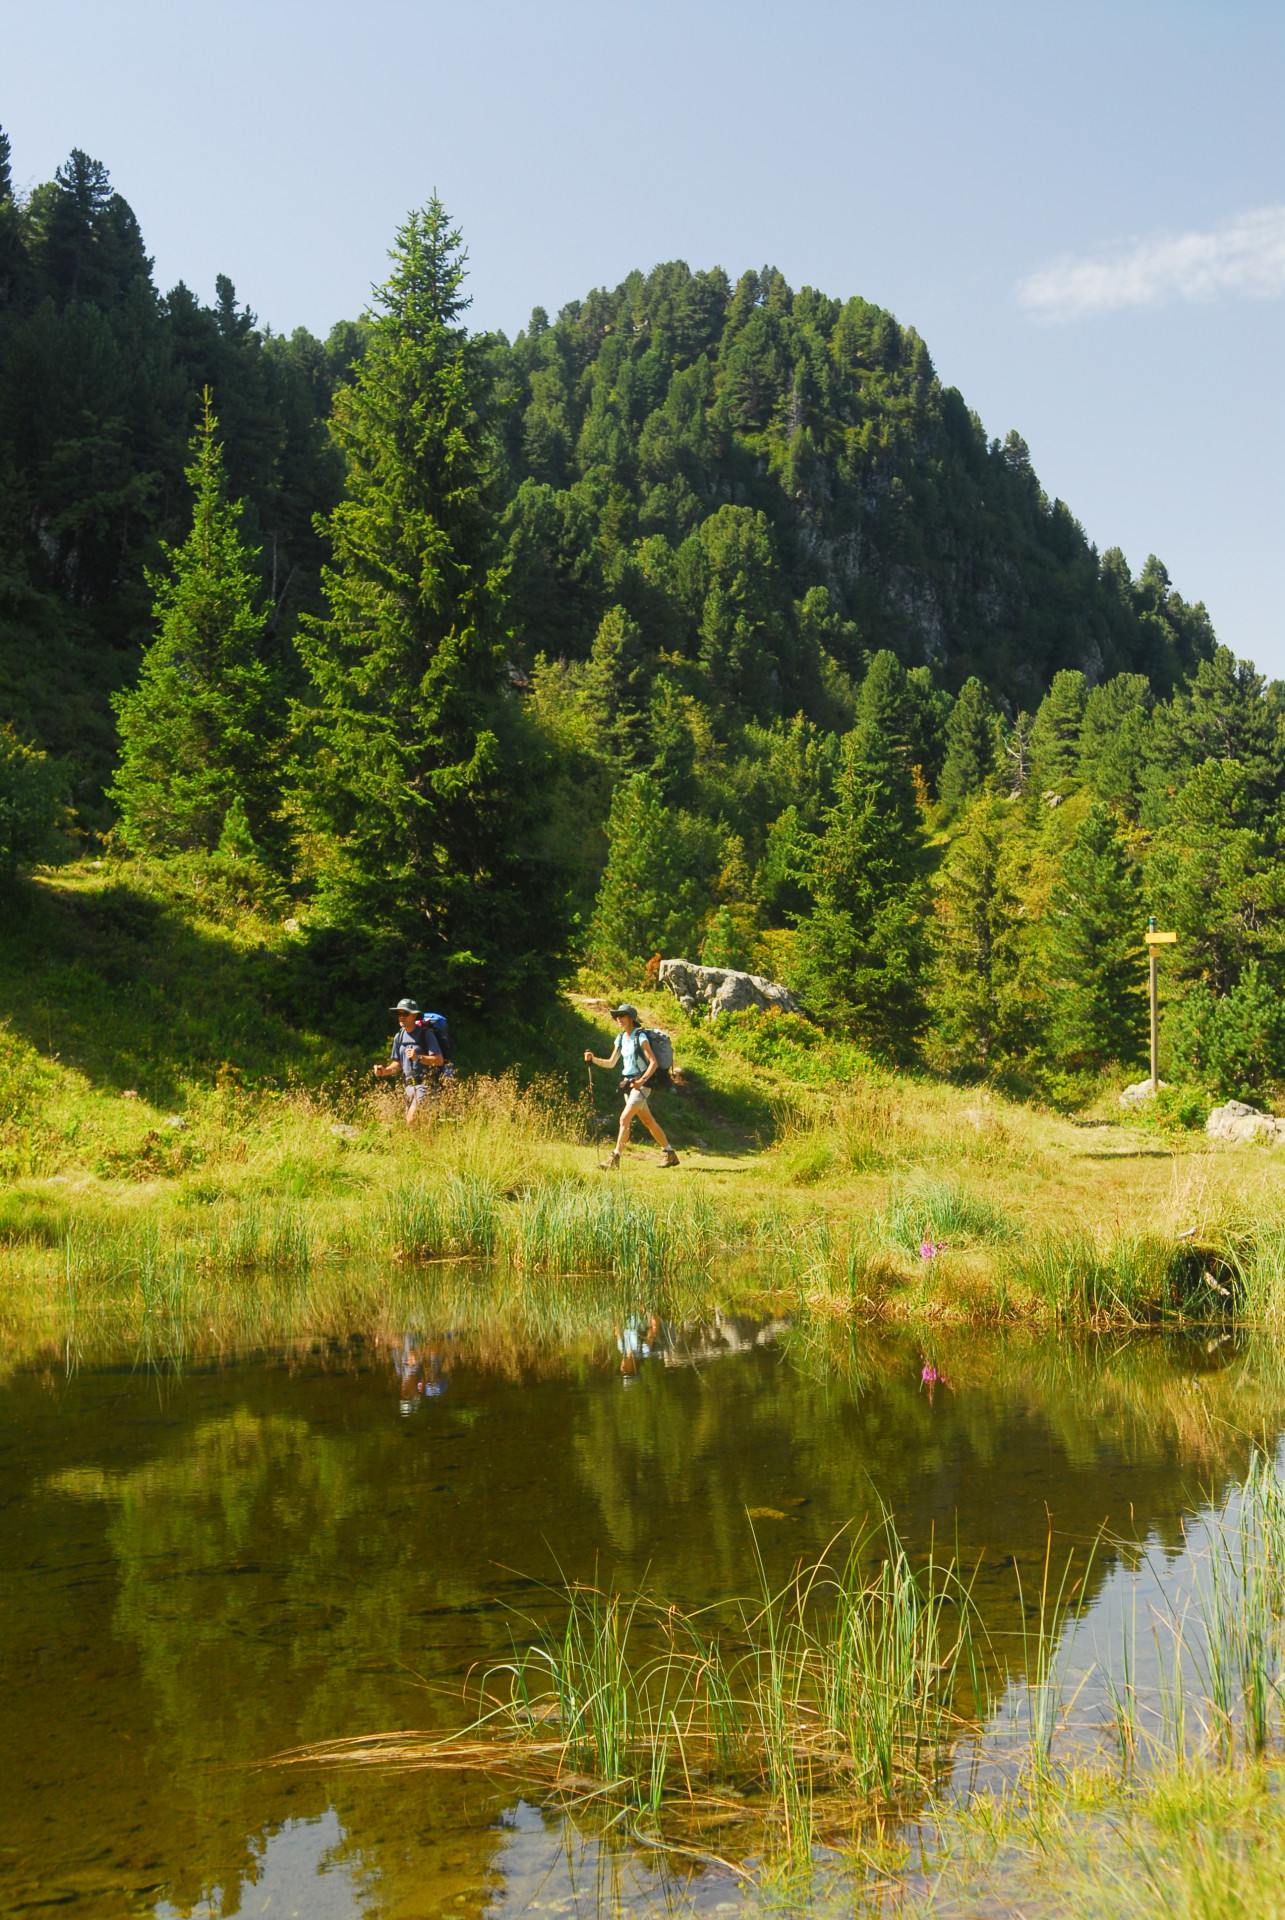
1078,206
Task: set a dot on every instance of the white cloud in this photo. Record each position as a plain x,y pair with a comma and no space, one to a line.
1246,256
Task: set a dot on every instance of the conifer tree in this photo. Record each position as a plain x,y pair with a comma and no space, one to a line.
862,951
416,767
1215,871
970,746
1220,714
1093,938
1115,740
983,1007
639,909
616,690
1055,737
886,710
202,729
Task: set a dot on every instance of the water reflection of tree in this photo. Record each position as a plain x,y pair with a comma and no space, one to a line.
291,1559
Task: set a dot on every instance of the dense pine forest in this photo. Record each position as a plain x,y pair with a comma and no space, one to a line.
700,619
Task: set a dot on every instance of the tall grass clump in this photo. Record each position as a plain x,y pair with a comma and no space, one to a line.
555,1227
1133,1278
941,1211
1258,1264
887,1661
1242,1609
828,1698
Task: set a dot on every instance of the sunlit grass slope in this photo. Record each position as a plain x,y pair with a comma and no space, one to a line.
185,1090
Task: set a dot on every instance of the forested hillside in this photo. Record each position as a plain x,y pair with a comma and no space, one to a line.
776,483
101,379
701,619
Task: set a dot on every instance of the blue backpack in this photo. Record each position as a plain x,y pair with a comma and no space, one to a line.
432,1026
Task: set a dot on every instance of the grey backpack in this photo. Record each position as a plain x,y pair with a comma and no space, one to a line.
663,1048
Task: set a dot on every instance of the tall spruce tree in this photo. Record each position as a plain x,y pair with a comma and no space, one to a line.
201,732
970,745
1115,740
416,767
1055,737
983,1006
1093,934
862,951
643,905
616,689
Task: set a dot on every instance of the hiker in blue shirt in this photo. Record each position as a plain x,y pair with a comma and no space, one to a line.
638,1066
415,1055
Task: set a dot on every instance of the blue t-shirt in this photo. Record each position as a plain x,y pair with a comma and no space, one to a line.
405,1046
633,1061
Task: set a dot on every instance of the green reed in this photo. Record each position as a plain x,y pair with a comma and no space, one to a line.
942,1210
888,1659
1136,1277
835,1691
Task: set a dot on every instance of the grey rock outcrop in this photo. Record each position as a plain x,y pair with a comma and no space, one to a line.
722,989
1236,1122
1141,1090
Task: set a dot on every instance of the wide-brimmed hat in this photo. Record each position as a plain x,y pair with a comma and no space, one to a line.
625,1007
404,1006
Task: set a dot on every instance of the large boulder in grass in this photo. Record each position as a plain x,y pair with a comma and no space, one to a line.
1236,1123
722,989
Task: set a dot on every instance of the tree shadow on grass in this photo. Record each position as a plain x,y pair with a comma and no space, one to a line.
150,978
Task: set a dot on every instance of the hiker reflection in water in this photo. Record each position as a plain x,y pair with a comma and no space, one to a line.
636,1341
420,1365
639,1067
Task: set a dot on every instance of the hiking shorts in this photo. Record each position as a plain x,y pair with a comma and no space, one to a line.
417,1095
636,1099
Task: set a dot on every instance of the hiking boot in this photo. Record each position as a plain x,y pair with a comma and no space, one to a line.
669,1158
611,1164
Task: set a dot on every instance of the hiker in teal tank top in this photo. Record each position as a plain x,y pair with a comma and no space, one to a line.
638,1066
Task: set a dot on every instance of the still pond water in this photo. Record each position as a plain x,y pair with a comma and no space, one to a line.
206,1561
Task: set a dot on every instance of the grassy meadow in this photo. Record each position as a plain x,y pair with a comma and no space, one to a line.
186,1106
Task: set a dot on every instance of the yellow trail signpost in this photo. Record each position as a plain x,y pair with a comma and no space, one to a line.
1154,941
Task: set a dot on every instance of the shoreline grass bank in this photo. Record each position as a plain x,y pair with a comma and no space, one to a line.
172,1116
309,1191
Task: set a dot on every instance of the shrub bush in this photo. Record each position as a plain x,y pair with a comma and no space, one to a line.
33,804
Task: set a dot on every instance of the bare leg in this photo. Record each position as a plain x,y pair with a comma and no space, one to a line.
654,1128
640,1112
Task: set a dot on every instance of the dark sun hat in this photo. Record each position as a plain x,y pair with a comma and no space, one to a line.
404,1006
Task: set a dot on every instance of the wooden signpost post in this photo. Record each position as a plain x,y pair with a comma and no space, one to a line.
1155,940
